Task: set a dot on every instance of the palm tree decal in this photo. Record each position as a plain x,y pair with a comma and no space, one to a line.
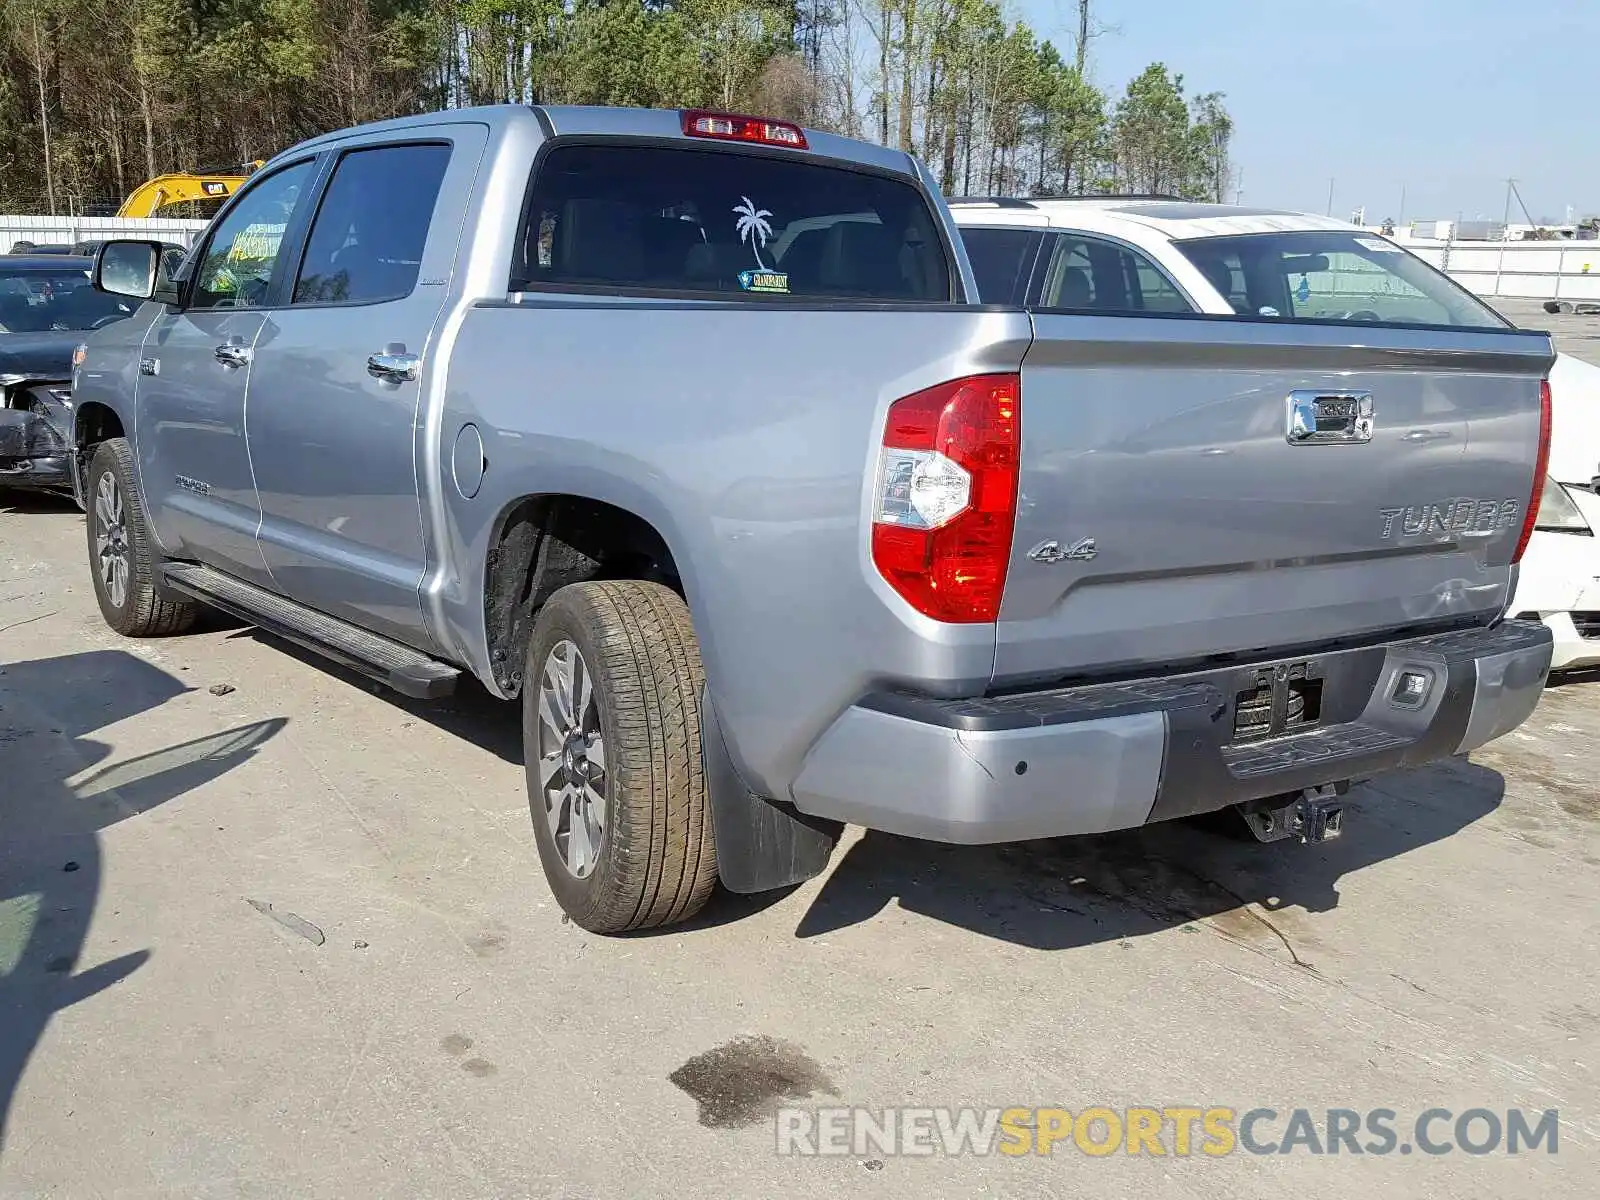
753,227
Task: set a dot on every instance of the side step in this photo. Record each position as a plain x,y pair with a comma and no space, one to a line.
407,671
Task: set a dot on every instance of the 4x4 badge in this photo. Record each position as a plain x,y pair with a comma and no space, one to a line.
1053,551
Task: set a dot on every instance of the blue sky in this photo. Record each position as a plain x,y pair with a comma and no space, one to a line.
1443,98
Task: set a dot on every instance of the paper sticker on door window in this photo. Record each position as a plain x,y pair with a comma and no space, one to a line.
764,281
1377,245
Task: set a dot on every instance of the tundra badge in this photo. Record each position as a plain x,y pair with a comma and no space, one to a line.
1467,517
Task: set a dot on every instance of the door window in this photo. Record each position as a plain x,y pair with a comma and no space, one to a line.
1001,261
367,239
236,271
1088,274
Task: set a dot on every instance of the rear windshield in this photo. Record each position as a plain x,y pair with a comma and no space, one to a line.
626,218
1334,275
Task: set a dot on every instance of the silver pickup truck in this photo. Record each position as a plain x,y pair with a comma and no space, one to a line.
686,430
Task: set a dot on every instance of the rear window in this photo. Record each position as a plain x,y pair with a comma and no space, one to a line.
623,218
1334,275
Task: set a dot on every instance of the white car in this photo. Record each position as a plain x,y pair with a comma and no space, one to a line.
1118,255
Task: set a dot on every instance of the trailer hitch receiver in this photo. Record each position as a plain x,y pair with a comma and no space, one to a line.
1314,815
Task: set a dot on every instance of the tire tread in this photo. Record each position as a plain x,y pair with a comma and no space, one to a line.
663,867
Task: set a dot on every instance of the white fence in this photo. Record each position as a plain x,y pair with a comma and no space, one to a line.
1533,270
56,231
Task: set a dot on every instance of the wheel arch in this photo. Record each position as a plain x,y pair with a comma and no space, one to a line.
93,422
540,542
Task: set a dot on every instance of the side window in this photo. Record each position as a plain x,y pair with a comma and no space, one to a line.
1225,272
1088,275
367,238
1070,281
236,270
1002,260
1158,293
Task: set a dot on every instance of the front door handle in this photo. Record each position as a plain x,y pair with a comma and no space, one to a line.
231,355
394,368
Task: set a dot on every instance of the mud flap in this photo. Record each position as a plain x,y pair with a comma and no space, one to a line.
761,844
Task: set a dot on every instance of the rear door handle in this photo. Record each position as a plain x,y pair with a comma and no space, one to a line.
393,368
230,355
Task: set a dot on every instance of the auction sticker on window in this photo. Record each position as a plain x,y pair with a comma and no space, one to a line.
1377,245
764,281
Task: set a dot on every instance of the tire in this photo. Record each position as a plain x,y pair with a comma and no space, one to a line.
123,559
650,859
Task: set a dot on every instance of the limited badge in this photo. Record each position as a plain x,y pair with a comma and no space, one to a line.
764,281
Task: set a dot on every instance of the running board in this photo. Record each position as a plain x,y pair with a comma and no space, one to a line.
407,671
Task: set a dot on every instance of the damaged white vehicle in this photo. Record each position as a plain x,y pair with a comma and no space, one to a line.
1156,254
1560,581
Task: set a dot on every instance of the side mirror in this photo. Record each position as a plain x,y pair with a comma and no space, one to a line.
133,269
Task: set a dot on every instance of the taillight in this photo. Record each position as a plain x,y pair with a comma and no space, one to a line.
945,502
1541,466
732,127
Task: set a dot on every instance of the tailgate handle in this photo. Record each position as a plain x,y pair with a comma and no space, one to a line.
1329,418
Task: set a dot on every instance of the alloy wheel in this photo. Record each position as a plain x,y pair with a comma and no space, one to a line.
572,758
111,540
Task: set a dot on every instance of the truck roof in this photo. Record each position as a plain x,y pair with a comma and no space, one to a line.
1174,219
615,122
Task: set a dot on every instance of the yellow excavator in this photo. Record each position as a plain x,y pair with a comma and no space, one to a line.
164,191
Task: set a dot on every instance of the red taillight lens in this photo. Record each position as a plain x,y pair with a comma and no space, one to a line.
1541,467
945,503
732,127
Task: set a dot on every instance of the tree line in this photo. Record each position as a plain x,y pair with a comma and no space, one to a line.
98,95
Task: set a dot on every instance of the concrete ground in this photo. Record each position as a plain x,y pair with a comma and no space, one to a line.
292,940
1575,334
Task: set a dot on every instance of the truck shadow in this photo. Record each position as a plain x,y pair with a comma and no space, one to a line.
471,713
1070,892
13,500
51,862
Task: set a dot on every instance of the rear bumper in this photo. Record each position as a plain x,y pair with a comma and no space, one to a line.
1110,756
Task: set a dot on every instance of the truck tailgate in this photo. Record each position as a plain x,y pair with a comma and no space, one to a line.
1218,529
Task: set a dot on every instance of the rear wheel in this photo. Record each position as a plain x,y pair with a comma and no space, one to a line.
611,739
122,553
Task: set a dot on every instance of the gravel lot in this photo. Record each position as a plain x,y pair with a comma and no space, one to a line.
292,940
